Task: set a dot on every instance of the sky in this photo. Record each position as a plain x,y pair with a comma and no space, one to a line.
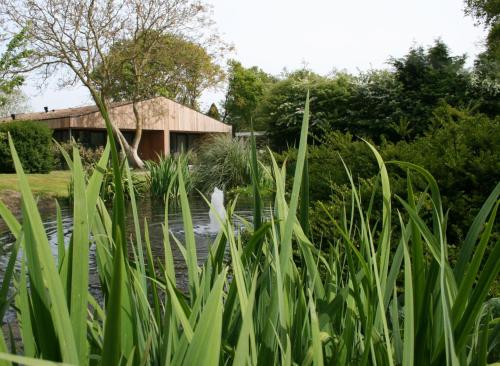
325,35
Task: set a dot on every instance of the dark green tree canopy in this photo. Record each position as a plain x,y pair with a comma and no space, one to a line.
246,87
394,104
428,76
487,12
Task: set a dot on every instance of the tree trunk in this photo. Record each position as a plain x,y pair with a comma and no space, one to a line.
131,152
137,137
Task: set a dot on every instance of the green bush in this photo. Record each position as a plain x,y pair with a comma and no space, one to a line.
222,161
462,153
326,168
34,145
89,155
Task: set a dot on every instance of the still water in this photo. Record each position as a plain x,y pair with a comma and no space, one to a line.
154,212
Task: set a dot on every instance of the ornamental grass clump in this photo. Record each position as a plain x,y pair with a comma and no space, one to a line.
222,161
373,297
162,175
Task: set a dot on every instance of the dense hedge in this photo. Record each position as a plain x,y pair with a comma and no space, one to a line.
33,142
462,153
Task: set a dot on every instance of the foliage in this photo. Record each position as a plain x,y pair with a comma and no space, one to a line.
396,104
282,109
213,112
162,175
154,64
487,64
34,144
12,60
429,77
246,88
222,161
89,155
463,155
139,183
461,152
326,163
282,302
487,11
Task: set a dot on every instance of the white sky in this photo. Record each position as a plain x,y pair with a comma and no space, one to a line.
325,34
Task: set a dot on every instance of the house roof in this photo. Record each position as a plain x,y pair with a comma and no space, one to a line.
159,113
60,113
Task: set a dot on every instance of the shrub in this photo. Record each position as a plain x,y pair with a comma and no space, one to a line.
34,145
162,175
89,155
463,154
222,161
326,168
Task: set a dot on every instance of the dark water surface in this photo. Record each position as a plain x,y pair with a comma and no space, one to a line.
154,211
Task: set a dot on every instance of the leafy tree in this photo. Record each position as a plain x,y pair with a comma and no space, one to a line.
463,155
282,107
375,107
487,64
213,112
156,64
487,11
428,76
246,88
13,59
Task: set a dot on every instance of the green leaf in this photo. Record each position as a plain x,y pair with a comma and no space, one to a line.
205,348
40,245
80,260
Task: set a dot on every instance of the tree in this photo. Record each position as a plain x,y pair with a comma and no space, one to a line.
282,106
487,64
15,102
427,77
14,57
246,88
161,64
77,37
213,112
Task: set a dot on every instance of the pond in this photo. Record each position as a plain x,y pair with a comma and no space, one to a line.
154,211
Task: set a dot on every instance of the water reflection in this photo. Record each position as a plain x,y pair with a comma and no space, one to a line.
153,211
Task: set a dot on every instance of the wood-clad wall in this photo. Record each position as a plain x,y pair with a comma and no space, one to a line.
158,114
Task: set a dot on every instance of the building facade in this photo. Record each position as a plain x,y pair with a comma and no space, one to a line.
168,126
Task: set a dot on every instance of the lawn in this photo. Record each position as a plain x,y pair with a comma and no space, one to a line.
52,184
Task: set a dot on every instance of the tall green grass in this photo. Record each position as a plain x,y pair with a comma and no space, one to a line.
162,174
222,161
377,296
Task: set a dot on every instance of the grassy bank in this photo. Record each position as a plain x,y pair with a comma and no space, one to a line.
53,184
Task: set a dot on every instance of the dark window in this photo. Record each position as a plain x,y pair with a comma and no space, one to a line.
61,135
89,138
